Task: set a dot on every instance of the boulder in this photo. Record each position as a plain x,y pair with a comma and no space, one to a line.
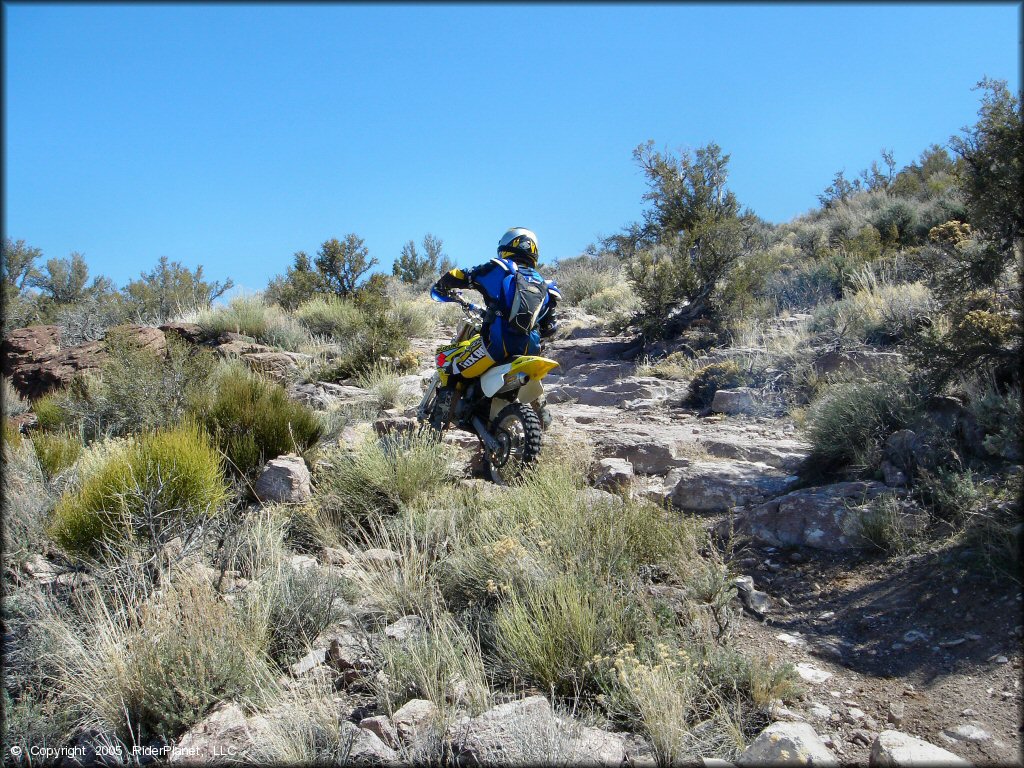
823,517
717,486
527,732
787,743
224,732
381,727
895,749
285,480
652,449
613,474
37,365
517,732
406,628
190,332
323,395
280,366
570,353
415,718
361,746
24,348
395,425
733,401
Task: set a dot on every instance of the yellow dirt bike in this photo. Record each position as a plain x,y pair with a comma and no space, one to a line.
500,407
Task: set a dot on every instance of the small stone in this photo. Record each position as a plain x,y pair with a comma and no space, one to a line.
413,718
854,714
382,728
969,712
968,732
900,750
820,711
285,479
914,636
862,737
789,639
895,712
308,663
811,673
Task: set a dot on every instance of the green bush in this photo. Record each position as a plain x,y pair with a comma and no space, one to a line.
713,377
849,424
48,411
367,327
159,481
253,420
56,451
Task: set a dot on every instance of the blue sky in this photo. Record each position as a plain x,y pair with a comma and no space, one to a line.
234,135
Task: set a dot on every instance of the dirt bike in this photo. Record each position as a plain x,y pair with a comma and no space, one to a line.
497,406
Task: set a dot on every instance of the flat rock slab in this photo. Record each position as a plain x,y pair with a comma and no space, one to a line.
895,749
825,517
717,486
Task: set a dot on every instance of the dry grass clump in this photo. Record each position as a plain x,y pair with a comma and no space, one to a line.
331,316
877,311
28,500
151,667
442,664
252,316
547,580
380,477
13,403
292,606
383,381
677,366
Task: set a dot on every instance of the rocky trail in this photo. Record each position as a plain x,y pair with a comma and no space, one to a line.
921,644
901,658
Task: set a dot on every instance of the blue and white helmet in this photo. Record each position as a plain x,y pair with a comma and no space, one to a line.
520,244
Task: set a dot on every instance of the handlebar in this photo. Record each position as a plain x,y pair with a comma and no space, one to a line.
456,296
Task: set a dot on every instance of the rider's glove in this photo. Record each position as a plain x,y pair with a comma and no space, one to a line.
547,328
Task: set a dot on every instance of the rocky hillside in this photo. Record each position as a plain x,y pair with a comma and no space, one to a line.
397,592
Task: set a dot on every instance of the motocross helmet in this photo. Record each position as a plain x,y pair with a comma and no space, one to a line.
519,244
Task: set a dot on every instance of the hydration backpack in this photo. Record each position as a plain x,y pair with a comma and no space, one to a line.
528,300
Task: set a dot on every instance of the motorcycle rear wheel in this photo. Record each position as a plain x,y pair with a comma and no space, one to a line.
517,429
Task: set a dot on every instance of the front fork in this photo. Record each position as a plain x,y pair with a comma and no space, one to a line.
423,411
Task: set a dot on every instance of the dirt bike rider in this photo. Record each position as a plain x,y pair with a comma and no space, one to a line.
509,312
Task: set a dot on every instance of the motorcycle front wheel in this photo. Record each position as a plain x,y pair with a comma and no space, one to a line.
518,432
